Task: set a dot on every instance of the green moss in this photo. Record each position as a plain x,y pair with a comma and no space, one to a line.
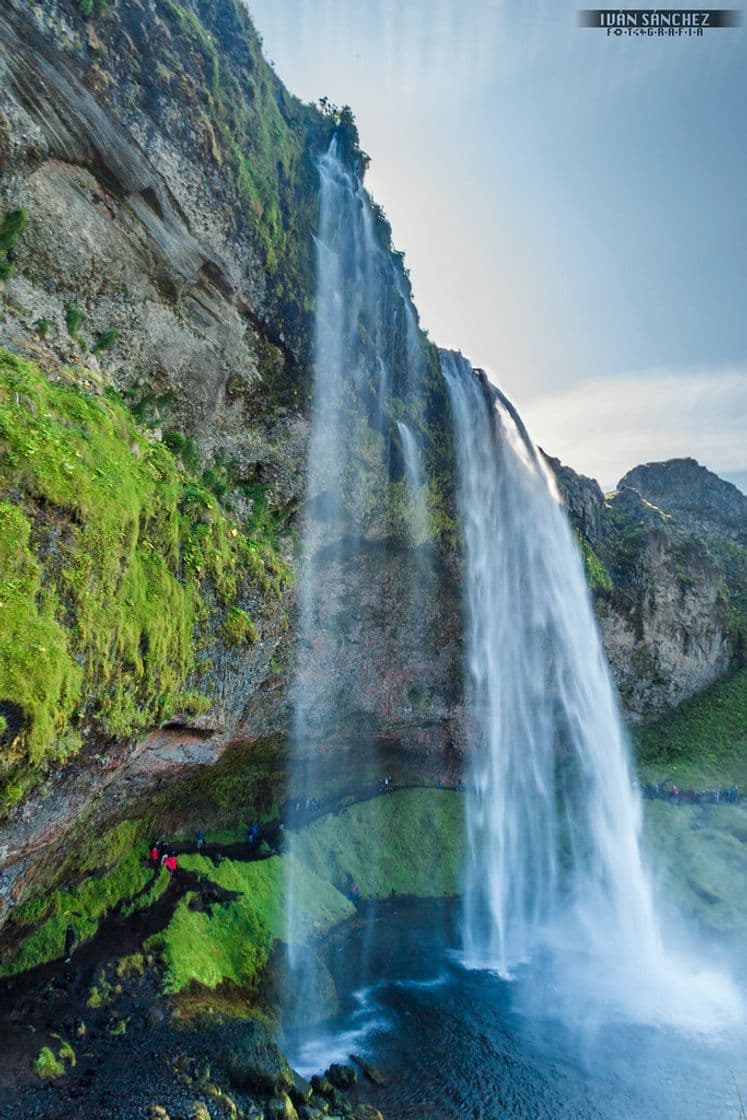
232,942
238,629
11,228
106,630
144,899
38,671
82,907
73,319
132,965
704,740
13,225
597,576
65,1051
105,341
418,837
47,1065
116,844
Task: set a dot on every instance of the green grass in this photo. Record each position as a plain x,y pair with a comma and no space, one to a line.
238,629
103,631
410,842
11,228
232,942
597,576
704,741
419,838
82,906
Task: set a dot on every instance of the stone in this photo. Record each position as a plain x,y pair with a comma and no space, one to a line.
342,1076
322,1085
366,1112
281,1108
301,1090
253,1061
372,1073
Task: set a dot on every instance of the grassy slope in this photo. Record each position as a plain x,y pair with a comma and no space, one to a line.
420,834
703,742
110,872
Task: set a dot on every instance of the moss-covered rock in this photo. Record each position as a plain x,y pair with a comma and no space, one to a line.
129,884
112,561
410,842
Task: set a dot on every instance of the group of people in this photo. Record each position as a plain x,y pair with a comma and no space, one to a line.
159,855
663,791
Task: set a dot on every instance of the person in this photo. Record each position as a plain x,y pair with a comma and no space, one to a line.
253,834
354,893
200,841
153,854
169,862
69,942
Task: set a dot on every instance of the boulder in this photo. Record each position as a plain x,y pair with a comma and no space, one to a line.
253,1061
281,1108
341,1076
322,1086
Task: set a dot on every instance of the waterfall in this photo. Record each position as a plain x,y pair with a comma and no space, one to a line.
364,473
553,819
555,865
416,485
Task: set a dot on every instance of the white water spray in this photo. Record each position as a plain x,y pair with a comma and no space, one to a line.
553,820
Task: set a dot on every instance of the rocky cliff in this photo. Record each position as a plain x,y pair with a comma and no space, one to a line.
669,578
158,197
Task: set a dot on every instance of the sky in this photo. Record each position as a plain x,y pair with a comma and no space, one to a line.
571,207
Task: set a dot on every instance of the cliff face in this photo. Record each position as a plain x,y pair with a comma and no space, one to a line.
668,575
158,195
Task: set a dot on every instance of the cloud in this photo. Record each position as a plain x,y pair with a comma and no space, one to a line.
604,427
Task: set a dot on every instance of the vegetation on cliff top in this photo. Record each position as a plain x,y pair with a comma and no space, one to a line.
110,556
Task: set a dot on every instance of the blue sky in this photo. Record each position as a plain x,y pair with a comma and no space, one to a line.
572,208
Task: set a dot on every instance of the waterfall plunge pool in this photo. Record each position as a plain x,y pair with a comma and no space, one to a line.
457,1043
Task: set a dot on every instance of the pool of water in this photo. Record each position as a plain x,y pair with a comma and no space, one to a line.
457,1043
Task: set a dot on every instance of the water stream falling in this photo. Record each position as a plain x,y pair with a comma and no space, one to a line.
555,868
367,355
553,820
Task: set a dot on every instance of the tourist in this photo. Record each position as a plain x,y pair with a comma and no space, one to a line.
69,943
200,841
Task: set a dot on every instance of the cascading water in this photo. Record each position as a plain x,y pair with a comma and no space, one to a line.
553,820
367,354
